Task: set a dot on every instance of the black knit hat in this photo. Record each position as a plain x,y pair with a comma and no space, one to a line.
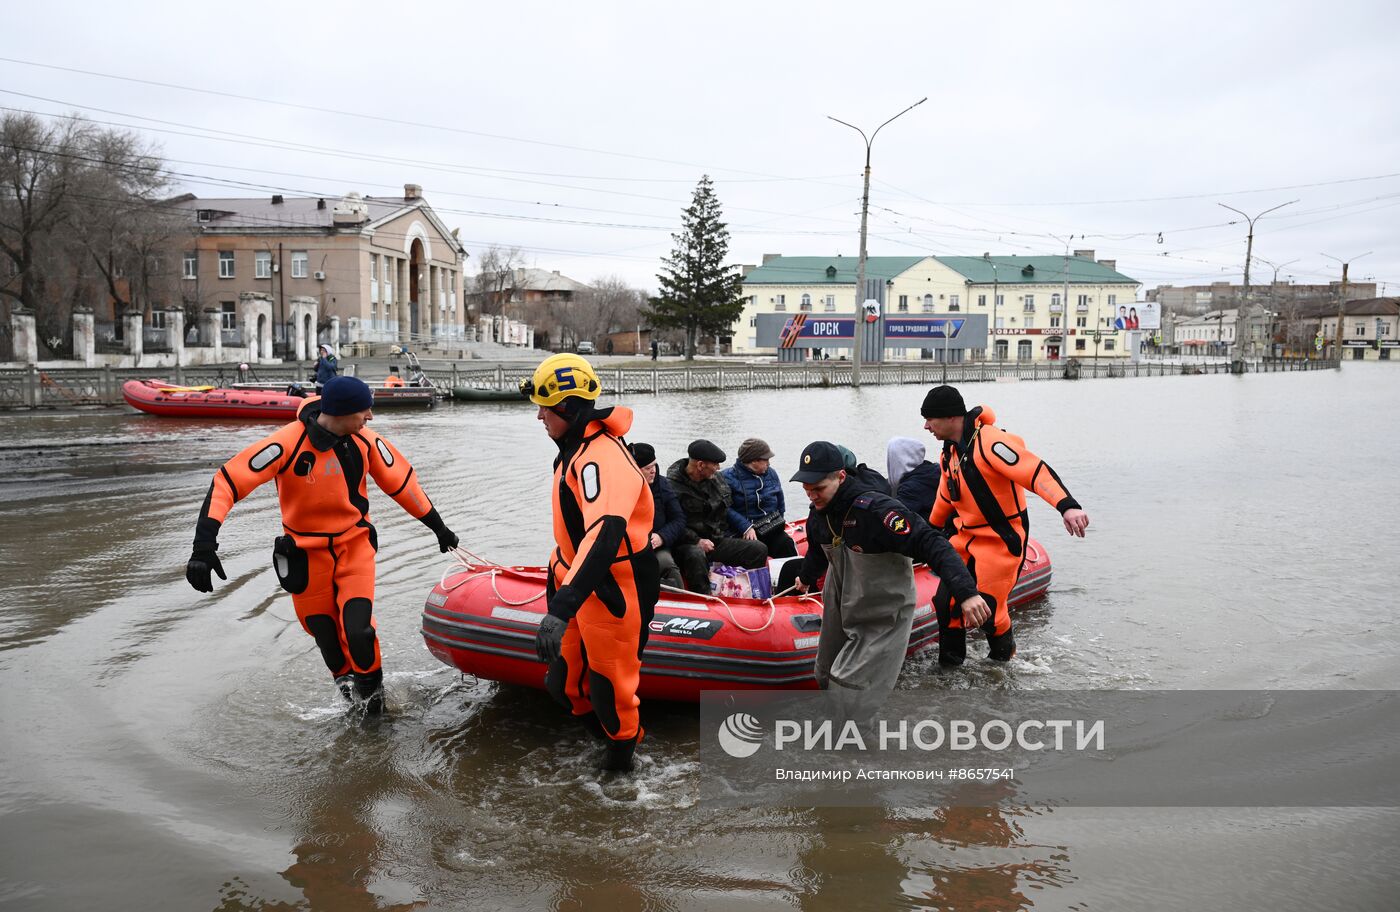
644,453
345,396
943,402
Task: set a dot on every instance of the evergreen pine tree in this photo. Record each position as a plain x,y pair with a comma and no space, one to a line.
698,294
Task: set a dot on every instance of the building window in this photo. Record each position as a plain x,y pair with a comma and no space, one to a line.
1079,345
373,267
928,303
191,264
1108,345
806,303
1030,303
1029,322
1054,322
780,302
225,264
1054,300
1001,300
1083,302
1112,300
262,264
981,300
1361,329
903,303
1382,329
831,302
228,317
301,262
157,319
1081,322
954,303
1023,350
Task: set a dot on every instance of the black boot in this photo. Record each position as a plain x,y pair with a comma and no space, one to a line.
369,688
593,726
344,684
617,756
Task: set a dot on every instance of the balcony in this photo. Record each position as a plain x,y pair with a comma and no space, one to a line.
1057,307
1081,308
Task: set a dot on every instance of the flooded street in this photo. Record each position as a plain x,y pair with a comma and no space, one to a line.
166,749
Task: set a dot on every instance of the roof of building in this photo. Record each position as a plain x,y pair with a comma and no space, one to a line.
531,279
1022,270
1009,270
804,270
1357,307
291,213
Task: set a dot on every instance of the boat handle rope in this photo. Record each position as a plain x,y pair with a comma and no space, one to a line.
470,572
1032,552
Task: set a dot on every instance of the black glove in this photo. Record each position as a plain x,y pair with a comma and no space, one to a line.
550,638
197,569
447,539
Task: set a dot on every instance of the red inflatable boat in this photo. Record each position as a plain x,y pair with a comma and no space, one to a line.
159,397
482,620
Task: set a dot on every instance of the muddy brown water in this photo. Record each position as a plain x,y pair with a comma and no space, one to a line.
163,749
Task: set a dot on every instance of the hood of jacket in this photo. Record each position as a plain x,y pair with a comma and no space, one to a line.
902,455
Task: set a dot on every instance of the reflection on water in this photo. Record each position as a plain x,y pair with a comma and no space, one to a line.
197,744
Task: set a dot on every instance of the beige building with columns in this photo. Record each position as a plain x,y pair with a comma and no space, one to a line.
347,270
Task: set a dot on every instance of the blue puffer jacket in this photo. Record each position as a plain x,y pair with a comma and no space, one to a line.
755,496
669,522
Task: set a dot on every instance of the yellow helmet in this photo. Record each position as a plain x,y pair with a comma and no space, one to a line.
561,376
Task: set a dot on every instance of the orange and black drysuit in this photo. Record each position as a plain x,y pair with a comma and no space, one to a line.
603,575
326,558
980,490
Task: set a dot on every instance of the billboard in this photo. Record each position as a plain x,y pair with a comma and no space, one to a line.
1138,315
808,330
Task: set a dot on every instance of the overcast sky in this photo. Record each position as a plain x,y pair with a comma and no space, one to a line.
578,131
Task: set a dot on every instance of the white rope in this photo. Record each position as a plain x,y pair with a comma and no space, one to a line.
470,572
772,608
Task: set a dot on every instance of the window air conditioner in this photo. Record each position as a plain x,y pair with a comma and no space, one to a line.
320,276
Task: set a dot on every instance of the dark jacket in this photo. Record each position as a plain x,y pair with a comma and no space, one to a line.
707,506
670,518
326,368
755,496
870,521
919,488
814,561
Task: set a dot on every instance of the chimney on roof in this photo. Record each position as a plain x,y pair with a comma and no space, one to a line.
412,192
768,257
1086,254
1109,264
276,199
321,203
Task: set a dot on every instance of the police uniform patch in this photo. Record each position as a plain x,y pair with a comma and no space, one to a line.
1005,453
589,477
896,523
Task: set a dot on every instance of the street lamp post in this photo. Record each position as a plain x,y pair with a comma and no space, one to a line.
1342,302
1248,253
1273,295
864,213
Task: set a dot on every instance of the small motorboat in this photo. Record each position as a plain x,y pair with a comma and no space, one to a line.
480,394
159,397
482,620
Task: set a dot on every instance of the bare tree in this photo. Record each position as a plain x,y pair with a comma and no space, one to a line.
39,165
494,285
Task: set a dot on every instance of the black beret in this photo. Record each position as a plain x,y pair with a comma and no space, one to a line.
705,451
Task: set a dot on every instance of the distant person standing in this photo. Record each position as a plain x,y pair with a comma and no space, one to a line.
655,348
326,365
984,470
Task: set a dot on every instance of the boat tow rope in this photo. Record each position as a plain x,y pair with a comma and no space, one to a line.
469,571
772,606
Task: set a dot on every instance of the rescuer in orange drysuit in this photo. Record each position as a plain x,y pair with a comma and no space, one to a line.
603,575
984,469
326,558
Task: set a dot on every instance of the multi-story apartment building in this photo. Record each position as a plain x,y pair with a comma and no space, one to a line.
1197,299
386,269
1037,307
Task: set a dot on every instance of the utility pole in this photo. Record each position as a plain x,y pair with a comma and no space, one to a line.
1342,302
1064,301
1248,253
864,214
1273,294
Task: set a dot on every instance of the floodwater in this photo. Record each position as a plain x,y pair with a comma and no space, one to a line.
165,749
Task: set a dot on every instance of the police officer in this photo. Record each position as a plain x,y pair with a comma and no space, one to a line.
871,542
603,576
